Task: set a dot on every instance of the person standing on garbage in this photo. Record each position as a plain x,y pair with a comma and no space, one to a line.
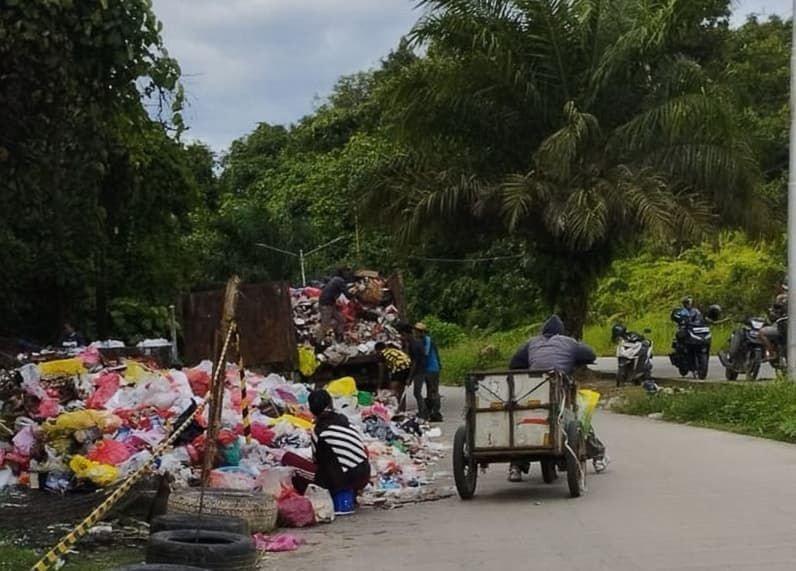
71,337
398,365
340,458
553,351
413,347
331,319
430,377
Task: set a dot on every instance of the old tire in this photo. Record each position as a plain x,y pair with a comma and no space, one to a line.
174,521
465,470
549,472
257,508
213,550
576,466
159,567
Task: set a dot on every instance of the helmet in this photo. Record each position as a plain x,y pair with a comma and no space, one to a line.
678,314
617,331
688,301
714,312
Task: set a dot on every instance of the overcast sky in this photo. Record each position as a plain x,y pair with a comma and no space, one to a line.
248,61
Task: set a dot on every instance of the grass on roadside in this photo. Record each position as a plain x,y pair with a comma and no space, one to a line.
465,352
14,558
767,410
481,351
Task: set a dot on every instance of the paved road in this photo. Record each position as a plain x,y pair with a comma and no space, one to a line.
674,497
662,368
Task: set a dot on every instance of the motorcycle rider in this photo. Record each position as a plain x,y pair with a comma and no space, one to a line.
769,335
552,350
688,310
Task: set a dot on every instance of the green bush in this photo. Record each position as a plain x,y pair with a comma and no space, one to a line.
765,410
737,273
444,333
481,351
133,320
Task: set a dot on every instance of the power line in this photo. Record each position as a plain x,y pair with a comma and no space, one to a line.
465,260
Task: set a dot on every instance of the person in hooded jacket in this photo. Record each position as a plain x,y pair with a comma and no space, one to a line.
550,351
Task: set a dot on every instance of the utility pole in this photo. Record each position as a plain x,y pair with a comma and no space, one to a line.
792,207
301,255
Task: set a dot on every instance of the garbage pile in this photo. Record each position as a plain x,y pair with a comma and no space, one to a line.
74,424
370,316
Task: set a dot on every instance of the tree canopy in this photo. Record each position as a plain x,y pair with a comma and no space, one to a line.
502,157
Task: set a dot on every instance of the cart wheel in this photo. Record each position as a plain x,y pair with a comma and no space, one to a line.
576,467
465,470
549,472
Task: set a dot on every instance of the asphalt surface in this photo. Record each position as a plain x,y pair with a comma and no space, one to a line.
662,368
673,497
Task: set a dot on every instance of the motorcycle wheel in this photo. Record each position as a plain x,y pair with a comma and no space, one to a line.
730,374
621,376
755,360
702,365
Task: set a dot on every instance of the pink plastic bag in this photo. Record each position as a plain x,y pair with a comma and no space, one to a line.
110,452
24,441
277,543
48,408
295,510
107,385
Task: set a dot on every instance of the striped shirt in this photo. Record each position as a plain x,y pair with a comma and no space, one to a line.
396,360
346,444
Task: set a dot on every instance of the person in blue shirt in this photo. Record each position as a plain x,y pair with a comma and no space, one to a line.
431,406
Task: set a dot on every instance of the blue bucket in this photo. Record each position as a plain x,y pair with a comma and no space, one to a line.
343,502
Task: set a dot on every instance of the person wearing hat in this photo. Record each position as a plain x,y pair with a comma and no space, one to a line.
429,377
340,458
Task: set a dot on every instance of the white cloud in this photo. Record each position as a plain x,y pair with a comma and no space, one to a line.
248,61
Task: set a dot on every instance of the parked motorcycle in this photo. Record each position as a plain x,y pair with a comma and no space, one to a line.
780,358
633,354
745,352
691,344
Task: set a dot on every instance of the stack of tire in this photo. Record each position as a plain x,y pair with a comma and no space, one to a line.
217,539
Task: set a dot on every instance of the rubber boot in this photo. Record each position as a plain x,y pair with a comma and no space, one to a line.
435,414
422,409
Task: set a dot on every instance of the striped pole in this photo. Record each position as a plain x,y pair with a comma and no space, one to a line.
244,399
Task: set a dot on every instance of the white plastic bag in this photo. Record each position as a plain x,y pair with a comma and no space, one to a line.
322,503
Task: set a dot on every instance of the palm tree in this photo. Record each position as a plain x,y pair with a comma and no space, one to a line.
579,125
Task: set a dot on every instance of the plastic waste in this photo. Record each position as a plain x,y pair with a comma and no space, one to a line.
99,474
322,503
277,543
31,381
307,361
71,421
345,387
231,478
62,368
274,480
587,401
294,421
106,386
48,408
7,478
294,510
110,452
24,440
